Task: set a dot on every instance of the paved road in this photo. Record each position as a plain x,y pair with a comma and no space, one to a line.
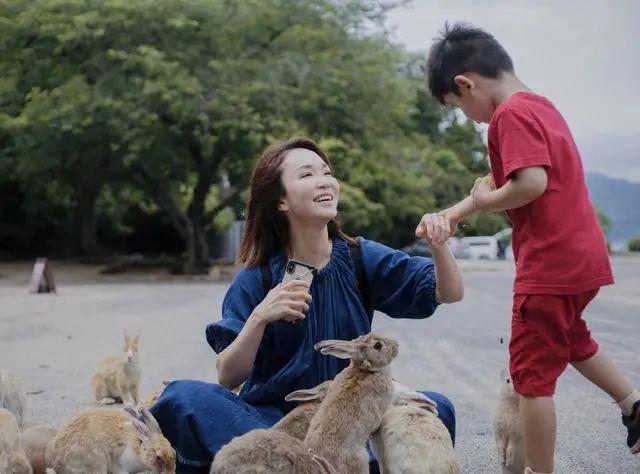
54,342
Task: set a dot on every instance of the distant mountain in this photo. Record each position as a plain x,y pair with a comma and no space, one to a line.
620,200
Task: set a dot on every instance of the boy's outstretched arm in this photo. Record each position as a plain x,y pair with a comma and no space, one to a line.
436,230
526,185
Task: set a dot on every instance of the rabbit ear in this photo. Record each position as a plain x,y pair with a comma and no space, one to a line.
308,395
325,466
126,336
340,349
327,342
142,430
137,337
150,421
130,411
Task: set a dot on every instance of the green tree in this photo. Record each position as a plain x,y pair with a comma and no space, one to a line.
164,106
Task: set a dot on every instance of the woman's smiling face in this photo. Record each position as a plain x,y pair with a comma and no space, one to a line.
311,190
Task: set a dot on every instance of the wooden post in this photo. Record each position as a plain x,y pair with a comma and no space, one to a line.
42,278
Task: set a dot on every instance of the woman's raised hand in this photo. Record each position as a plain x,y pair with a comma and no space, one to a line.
287,302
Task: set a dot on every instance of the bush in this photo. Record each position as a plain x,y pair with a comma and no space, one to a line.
634,244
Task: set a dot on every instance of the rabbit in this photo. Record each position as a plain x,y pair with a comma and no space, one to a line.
33,442
508,428
352,409
105,441
117,378
294,424
9,426
268,451
412,439
12,458
12,396
356,402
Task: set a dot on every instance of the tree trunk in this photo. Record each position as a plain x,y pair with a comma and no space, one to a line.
199,247
86,220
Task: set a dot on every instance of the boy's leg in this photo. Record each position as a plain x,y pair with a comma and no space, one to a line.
591,362
601,371
539,352
538,418
594,365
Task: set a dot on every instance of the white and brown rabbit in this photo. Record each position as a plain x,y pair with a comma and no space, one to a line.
117,377
102,440
12,395
412,439
508,428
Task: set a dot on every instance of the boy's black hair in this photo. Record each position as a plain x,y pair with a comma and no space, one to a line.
463,48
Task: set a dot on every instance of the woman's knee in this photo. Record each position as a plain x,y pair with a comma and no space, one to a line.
179,395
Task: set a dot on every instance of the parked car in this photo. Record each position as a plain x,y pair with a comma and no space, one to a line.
459,248
504,244
482,247
419,248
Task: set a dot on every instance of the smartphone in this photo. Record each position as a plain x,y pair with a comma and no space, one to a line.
296,270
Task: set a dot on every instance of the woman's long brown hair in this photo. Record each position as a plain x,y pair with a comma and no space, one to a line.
266,227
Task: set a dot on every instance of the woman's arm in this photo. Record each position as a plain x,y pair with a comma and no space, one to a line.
288,302
449,285
436,230
235,363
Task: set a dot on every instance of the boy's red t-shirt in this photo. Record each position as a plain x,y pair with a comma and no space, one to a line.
558,245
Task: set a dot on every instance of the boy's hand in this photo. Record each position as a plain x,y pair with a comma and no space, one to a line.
435,229
479,193
488,179
451,219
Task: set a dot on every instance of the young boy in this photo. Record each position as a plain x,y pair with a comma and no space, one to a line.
560,251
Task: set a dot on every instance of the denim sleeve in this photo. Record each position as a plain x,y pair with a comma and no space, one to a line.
244,294
399,285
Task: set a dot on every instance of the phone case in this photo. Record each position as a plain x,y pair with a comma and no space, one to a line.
296,270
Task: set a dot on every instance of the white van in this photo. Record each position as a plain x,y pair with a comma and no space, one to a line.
482,247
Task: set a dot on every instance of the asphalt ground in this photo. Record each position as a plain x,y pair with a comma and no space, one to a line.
54,342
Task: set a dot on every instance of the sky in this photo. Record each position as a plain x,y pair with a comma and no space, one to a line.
584,55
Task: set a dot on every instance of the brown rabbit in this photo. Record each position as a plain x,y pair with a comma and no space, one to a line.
296,422
277,440
33,442
104,441
356,402
117,378
338,432
12,458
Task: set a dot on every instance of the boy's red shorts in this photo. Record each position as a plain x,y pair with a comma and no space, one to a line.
547,332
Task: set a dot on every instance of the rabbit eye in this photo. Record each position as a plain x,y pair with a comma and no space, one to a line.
377,346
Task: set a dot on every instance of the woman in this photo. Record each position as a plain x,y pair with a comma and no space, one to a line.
265,338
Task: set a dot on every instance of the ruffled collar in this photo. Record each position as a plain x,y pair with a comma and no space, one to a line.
340,256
